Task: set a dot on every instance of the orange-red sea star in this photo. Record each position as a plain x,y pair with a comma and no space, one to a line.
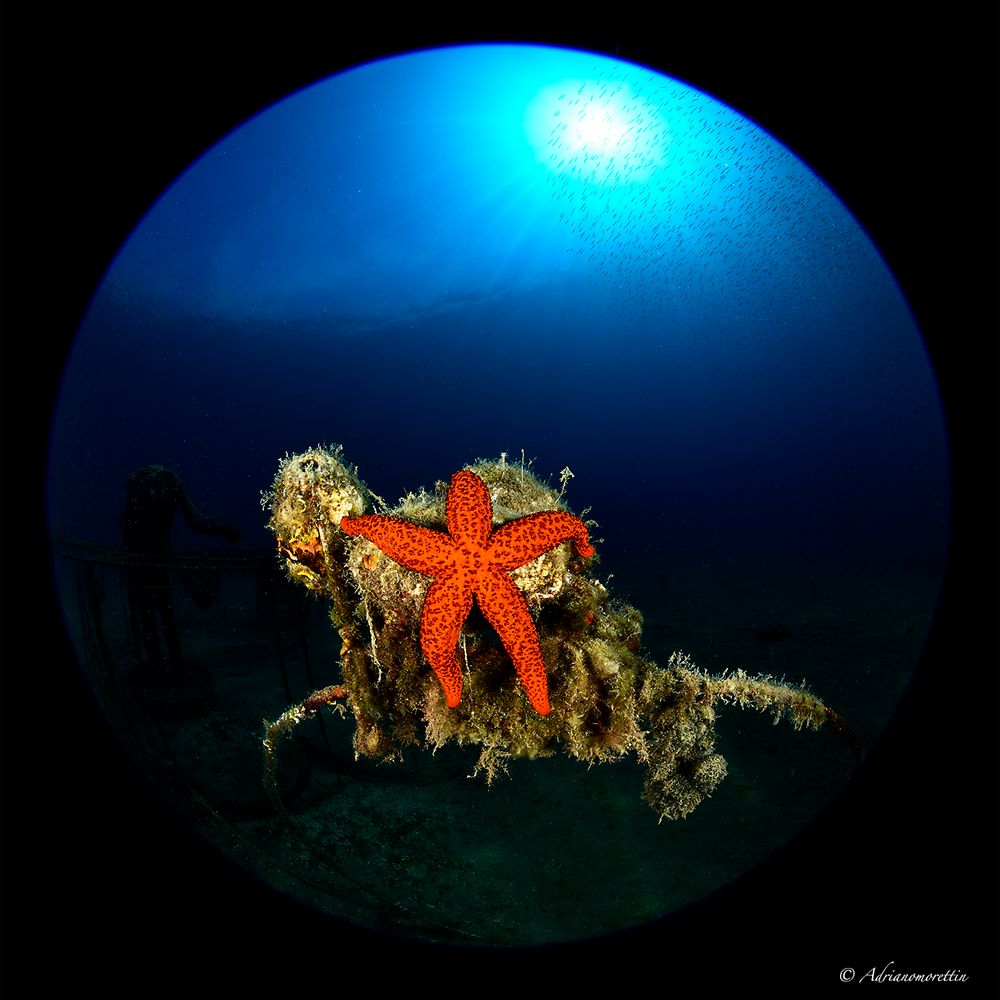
470,560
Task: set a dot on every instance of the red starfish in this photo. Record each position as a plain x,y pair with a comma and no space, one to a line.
469,560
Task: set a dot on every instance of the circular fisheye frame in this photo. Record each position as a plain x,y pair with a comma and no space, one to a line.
473,417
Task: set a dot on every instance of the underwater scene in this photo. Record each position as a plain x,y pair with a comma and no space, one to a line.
520,460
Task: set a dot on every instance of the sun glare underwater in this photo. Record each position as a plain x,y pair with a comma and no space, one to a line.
609,296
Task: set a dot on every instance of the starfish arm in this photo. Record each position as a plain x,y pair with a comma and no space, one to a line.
506,610
446,607
518,542
411,545
468,509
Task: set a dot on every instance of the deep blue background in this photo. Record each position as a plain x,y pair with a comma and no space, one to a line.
413,260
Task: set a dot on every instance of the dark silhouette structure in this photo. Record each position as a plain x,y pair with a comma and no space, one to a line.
153,496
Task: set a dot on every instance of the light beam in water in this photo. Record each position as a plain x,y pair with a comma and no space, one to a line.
597,131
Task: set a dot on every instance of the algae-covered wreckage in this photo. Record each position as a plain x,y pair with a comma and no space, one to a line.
567,674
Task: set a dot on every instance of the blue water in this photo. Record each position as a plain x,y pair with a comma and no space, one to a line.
421,260
455,254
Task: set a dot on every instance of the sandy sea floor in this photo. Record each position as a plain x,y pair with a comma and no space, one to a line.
553,852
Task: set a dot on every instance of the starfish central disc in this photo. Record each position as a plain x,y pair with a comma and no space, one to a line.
471,562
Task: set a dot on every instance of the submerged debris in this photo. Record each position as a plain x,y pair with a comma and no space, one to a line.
607,700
